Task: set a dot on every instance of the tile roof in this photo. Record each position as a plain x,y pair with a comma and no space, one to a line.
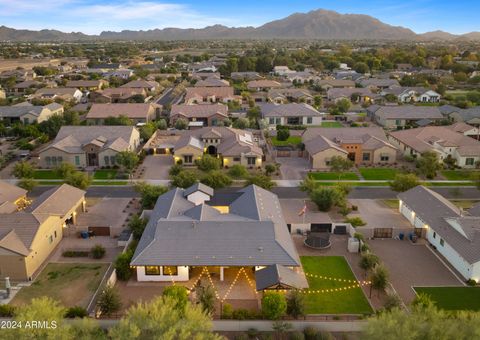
199,110
408,112
276,275
10,192
289,110
130,110
219,92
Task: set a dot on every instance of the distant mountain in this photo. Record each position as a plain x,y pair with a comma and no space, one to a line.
319,24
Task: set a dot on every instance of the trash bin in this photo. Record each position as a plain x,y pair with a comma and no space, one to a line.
401,236
414,238
84,234
410,236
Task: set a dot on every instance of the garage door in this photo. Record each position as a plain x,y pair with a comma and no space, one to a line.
321,227
340,230
100,231
382,233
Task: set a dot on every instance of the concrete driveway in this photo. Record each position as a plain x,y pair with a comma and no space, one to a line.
157,166
412,265
378,215
293,167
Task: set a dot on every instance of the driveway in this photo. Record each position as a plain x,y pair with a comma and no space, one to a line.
378,215
291,209
157,166
293,167
412,265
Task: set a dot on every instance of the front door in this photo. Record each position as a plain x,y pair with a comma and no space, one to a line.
92,159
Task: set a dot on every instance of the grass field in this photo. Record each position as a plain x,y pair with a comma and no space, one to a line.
457,175
333,176
350,301
292,140
45,174
105,174
391,203
331,125
72,284
453,298
371,174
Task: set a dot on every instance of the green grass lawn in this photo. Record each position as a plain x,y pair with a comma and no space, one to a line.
331,125
105,174
292,140
350,301
457,175
45,174
391,203
453,298
378,174
465,204
333,176
72,284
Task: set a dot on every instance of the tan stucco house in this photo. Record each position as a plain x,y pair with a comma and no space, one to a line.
12,198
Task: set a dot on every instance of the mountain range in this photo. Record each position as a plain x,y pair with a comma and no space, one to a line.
318,24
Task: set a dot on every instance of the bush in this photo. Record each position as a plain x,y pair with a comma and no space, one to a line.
238,171
216,179
471,282
98,251
7,311
295,304
181,124
27,183
243,314
179,294
260,180
283,134
392,301
274,305
270,169
175,169
122,265
227,311
109,301
184,179
355,221
208,163
76,312
296,335
137,226
73,253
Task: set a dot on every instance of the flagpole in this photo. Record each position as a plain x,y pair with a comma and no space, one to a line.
305,212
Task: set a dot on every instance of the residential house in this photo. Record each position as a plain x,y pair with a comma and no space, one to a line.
136,112
122,74
362,145
87,85
443,140
89,146
197,95
245,76
207,114
282,71
64,93
378,83
399,117
284,96
12,198
413,94
147,85
191,231
203,68
327,84
303,77
205,75
470,116
263,85
117,95
25,87
212,82
290,114
18,74
28,113
452,232
356,95
3,95
28,237
232,146
466,130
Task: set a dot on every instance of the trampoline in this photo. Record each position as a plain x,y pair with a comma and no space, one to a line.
318,240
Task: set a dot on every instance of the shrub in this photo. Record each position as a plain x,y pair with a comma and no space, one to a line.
243,314
260,180
109,301
392,301
73,253
238,171
137,226
296,335
227,311
76,312
355,221
181,124
122,265
270,169
471,282
175,169
295,304
179,294
98,251
208,163
7,311
184,179
216,179
274,305
283,134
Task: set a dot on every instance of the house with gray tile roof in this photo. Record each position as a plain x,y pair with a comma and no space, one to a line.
207,114
454,233
28,113
401,116
290,114
470,116
182,234
89,146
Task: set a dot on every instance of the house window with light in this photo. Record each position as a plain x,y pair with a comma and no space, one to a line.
152,270
170,270
188,159
251,160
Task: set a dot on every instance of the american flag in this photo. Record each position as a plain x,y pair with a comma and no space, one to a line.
304,209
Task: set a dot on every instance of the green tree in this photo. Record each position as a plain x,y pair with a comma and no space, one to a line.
361,67
120,120
160,319
216,179
241,123
378,278
270,169
122,265
404,182
64,170
206,297
137,226
295,304
274,305
238,171
109,301
23,170
149,193
27,184
428,164
368,261
263,181
254,113
147,130
181,124
78,179
162,124
208,163
343,105
128,160
340,164
325,198
179,294
184,179
308,184
283,134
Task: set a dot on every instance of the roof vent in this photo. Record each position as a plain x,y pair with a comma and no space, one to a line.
260,249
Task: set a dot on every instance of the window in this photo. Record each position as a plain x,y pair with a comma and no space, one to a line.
442,242
50,239
469,161
278,121
55,233
434,235
77,160
107,160
54,160
152,270
384,158
398,122
366,156
236,159
170,270
113,160
48,160
188,159
271,121
60,159
309,120
251,160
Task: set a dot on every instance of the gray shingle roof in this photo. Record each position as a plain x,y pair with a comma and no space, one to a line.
409,112
279,276
288,110
198,187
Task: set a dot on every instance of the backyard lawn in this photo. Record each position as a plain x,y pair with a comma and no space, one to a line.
331,124
45,174
457,175
378,174
72,284
333,176
105,174
453,298
292,140
350,301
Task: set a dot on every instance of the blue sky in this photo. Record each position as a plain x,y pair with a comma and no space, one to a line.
90,16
